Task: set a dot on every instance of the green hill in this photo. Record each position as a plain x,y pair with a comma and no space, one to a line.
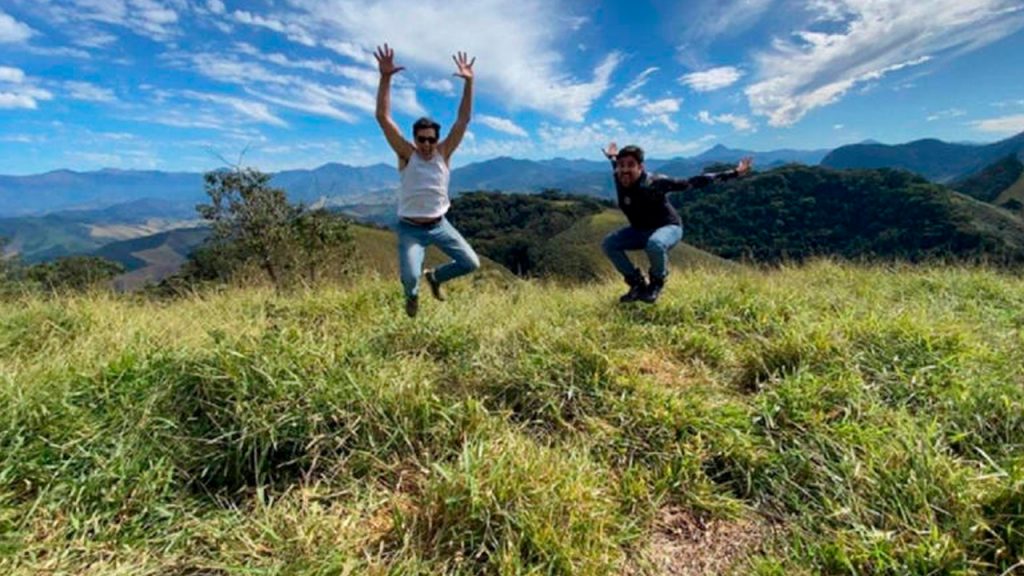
988,184
576,253
797,212
825,419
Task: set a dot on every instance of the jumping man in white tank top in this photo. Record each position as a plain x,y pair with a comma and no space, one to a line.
423,197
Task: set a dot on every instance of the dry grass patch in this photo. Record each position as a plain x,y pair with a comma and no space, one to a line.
684,543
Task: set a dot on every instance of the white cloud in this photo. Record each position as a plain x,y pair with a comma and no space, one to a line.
663,106
738,122
89,92
587,139
11,75
256,111
629,98
18,91
946,114
523,67
879,37
703,22
1007,125
12,31
501,124
294,32
713,79
444,86
156,19
347,49
216,6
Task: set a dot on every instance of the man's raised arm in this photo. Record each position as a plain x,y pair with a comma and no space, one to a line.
386,63
464,70
682,184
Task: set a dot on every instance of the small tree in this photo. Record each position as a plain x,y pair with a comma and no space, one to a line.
253,218
254,225
324,240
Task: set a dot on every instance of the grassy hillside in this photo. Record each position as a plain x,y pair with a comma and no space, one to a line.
576,253
825,419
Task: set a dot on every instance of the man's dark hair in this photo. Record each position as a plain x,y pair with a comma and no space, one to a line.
424,123
635,152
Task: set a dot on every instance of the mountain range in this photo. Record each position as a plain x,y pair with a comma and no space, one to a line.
936,160
337,184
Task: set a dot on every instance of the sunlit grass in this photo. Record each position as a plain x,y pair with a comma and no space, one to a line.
870,416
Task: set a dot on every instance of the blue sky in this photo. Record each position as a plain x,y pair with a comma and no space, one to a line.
180,85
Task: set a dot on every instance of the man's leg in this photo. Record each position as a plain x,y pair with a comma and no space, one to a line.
464,259
411,251
614,247
660,242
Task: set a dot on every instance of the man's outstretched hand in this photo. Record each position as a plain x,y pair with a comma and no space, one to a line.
463,65
743,168
386,61
611,151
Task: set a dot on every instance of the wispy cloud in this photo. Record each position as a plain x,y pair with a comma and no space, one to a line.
89,92
713,79
12,31
704,22
256,111
501,125
629,97
586,139
817,67
19,91
442,85
294,31
738,122
524,68
156,19
946,114
1006,125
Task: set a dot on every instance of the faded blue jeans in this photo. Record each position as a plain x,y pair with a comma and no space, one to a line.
656,243
413,241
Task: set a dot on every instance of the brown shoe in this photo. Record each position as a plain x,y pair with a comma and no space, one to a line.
412,306
435,286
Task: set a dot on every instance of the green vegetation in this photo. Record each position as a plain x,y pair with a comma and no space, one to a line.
862,420
989,183
257,235
73,273
798,212
514,229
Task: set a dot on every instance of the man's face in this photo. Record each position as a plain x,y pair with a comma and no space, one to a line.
628,170
426,141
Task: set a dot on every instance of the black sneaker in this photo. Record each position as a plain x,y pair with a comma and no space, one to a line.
412,306
653,291
637,289
435,286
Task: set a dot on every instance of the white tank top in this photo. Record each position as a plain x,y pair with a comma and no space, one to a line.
424,192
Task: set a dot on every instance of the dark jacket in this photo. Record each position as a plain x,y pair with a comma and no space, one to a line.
646,204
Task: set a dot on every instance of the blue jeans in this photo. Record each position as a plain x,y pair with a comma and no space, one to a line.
412,246
656,243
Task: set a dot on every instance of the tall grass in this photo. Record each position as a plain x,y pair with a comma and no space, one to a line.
870,418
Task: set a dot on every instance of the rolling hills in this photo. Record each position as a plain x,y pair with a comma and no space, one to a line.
934,159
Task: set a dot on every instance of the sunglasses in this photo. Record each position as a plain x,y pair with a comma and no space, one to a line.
426,139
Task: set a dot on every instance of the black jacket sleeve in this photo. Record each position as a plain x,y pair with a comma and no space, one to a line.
664,184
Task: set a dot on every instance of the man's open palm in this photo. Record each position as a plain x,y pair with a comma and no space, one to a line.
386,61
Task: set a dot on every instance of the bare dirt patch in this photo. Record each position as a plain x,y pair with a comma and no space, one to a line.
686,544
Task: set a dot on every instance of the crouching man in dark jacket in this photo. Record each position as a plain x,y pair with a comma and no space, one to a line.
654,225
